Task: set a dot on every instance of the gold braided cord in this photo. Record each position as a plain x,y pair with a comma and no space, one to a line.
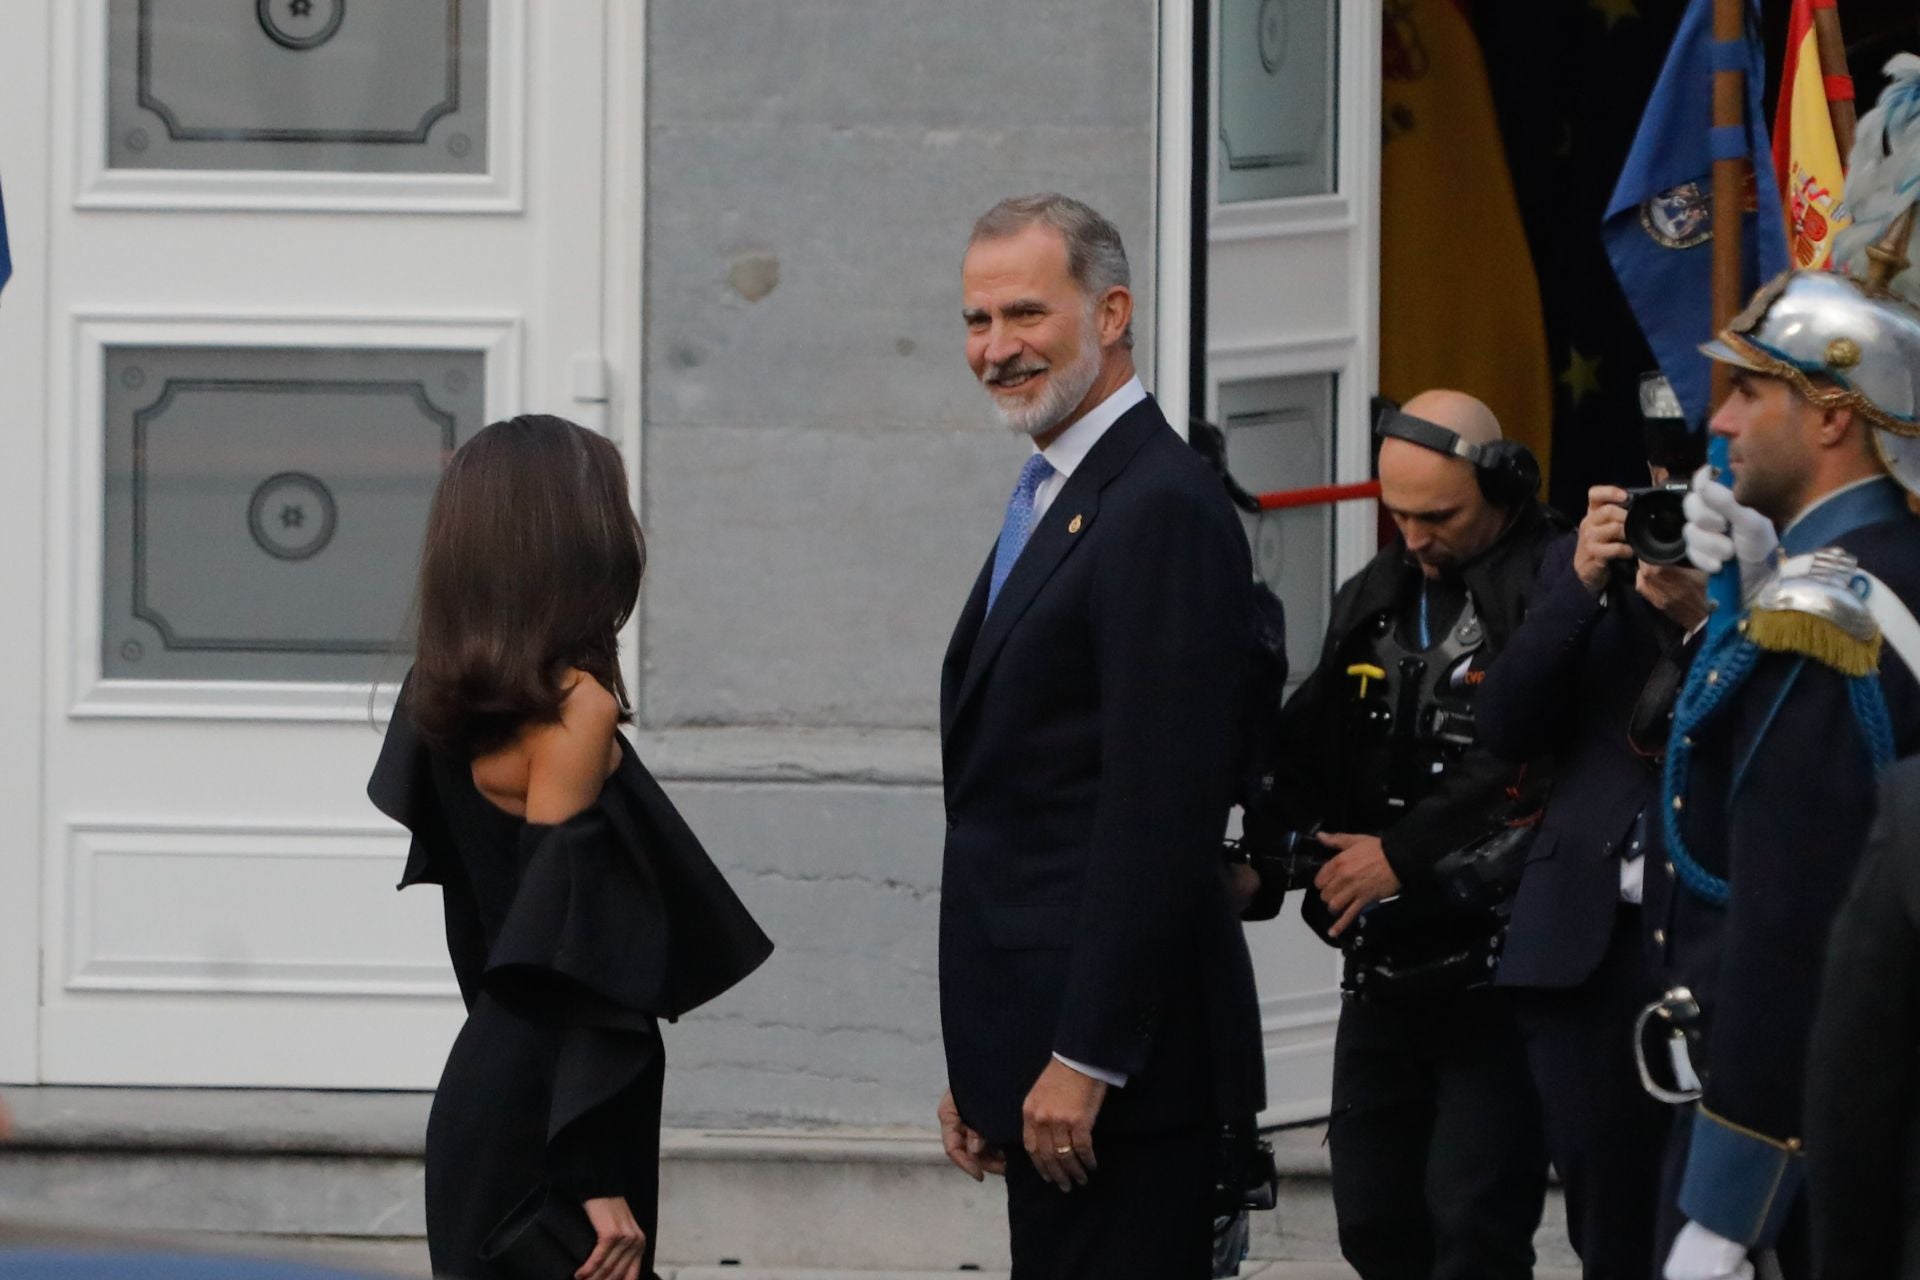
1831,397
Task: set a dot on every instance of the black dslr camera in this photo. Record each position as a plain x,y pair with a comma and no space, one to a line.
1655,520
1655,523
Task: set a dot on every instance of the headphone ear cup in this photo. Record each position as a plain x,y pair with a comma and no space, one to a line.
1509,473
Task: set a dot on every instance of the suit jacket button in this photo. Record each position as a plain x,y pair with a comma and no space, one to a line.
1659,937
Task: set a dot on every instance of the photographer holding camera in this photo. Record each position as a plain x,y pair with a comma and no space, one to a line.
1406,835
1589,678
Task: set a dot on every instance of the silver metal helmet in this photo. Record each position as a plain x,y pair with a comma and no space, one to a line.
1861,340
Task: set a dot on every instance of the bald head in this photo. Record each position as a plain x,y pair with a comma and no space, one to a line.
1458,412
1435,498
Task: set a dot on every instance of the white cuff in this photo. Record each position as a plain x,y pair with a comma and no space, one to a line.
1112,1079
1633,879
1700,1254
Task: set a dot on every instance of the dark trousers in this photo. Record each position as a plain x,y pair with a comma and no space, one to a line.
1607,1136
1793,1251
1439,1165
1147,1212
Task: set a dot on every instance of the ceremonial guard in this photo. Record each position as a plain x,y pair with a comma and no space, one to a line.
1784,725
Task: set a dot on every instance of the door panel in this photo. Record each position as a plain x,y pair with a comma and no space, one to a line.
279,294
1288,255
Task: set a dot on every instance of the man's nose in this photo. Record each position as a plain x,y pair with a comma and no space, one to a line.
1724,422
1001,344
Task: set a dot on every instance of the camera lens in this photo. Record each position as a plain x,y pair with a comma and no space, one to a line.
1656,523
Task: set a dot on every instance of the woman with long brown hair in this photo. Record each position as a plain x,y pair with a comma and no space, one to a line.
579,907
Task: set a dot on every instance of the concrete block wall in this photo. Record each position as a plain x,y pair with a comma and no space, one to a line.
821,477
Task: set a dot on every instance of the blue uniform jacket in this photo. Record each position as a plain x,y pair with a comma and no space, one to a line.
1779,798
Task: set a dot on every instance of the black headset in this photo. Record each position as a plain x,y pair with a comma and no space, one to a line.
1508,472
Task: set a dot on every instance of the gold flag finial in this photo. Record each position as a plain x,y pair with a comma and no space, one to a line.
1889,253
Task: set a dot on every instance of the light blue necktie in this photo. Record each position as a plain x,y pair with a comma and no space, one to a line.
1019,523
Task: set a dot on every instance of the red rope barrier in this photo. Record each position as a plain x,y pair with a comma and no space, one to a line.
1320,495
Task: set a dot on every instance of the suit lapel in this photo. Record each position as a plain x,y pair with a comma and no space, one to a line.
1067,521
965,634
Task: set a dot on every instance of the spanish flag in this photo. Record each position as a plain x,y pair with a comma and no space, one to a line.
1459,301
1806,156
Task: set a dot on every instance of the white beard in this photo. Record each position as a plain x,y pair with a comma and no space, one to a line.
1066,388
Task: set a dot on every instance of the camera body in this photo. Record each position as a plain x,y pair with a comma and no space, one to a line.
1286,860
1656,522
1246,1175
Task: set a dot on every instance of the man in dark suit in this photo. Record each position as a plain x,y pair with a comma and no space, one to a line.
1603,637
1096,994
1863,1069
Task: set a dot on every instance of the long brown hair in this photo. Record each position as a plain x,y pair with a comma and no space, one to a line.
531,566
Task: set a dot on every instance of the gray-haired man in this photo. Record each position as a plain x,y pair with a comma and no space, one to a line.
1096,994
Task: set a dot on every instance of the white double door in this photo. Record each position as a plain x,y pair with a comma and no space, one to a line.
272,262
1277,194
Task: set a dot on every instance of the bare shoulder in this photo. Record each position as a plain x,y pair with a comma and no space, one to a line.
569,760
590,706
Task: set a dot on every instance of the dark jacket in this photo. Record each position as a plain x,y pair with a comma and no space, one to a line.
1087,734
1863,1066
1566,686
1777,800
1463,807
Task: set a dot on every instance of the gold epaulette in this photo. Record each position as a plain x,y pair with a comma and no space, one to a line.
1819,614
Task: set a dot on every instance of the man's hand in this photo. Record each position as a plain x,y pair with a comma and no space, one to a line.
1675,590
1603,537
622,1244
1355,878
972,1154
1057,1124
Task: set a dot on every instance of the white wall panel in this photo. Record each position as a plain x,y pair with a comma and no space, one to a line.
248,910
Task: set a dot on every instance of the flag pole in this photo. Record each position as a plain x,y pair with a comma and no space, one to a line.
1729,179
1833,66
1730,176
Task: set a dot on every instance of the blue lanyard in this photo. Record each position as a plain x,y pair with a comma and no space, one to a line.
1426,634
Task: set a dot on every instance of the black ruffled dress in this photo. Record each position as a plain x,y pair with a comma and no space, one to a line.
569,942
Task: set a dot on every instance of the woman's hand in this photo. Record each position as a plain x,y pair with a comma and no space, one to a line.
622,1242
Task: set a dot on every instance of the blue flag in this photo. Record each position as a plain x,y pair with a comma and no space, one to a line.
6,258
1659,224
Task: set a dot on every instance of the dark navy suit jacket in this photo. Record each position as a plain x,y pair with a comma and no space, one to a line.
1087,727
1565,686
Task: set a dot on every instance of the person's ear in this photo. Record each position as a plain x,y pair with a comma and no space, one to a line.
1114,314
1835,423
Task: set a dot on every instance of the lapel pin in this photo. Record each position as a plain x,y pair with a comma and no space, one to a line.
1074,525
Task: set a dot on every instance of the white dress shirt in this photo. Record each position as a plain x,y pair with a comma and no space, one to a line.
1077,441
1066,454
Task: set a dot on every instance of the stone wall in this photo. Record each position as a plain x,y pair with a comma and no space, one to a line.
822,477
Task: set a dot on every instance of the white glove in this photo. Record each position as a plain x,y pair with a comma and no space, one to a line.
1719,529
1699,1254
